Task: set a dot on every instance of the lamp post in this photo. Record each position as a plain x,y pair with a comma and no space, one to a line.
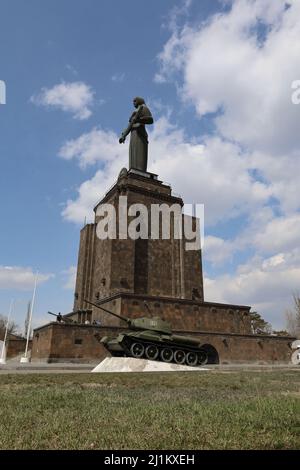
25,358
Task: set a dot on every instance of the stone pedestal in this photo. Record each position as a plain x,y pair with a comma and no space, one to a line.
148,277
159,267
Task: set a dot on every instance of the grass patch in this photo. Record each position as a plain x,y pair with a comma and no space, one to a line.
237,410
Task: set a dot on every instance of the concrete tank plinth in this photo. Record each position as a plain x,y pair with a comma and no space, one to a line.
129,364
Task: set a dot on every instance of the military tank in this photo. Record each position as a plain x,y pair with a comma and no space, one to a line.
152,338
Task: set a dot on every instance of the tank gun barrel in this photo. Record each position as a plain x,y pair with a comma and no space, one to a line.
54,314
61,318
108,311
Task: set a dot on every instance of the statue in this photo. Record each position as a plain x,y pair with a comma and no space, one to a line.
138,147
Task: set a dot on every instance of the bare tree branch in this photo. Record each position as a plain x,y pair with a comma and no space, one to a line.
12,328
293,317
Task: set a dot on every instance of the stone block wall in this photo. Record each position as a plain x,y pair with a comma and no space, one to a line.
159,267
16,347
136,278
243,349
77,343
85,266
180,313
61,342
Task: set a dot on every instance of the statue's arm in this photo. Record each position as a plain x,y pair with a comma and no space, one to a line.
133,120
125,133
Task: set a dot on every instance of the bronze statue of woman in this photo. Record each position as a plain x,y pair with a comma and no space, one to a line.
138,147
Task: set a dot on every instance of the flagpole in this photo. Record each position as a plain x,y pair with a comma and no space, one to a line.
25,358
3,353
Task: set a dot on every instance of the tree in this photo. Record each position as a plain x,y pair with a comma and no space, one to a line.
259,325
12,328
281,333
293,317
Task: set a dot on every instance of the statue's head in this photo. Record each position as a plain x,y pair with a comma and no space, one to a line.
137,101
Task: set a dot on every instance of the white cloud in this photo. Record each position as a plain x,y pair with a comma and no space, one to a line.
41,320
70,278
19,278
118,77
216,250
218,172
71,69
281,233
282,172
75,97
95,146
89,193
241,64
267,284
264,233
212,167
177,14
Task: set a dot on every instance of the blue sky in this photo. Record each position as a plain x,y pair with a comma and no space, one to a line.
206,78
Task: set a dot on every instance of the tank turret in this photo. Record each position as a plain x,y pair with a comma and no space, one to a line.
152,338
143,323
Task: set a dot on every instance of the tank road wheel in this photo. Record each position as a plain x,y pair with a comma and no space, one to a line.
167,354
191,358
151,352
179,356
137,350
202,357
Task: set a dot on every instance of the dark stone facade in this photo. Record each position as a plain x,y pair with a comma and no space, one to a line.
16,346
63,342
154,277
182,314
146,267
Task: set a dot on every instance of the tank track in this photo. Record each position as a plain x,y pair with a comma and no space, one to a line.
169,353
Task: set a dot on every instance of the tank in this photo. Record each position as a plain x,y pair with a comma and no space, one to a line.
152,338
61,318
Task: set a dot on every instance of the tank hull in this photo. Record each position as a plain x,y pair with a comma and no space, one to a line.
154,346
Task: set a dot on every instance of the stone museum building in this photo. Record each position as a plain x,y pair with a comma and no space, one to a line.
146,278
